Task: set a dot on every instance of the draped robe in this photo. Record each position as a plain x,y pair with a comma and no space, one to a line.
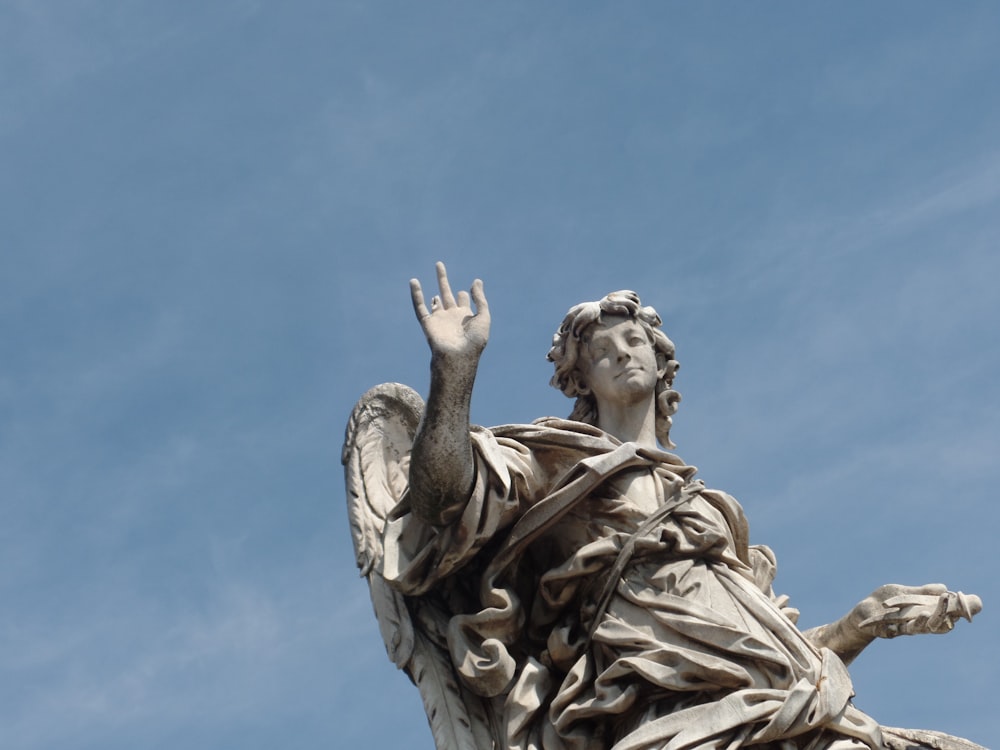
677,642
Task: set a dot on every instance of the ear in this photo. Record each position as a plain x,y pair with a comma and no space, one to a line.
668,370
582,389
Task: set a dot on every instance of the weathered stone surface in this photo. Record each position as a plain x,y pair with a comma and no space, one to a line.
570,585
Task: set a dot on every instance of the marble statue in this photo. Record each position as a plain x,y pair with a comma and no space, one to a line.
571,585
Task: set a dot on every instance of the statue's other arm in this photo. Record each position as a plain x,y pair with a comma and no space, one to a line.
893,610
442,470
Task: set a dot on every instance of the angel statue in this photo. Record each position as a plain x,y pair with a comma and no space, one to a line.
570,585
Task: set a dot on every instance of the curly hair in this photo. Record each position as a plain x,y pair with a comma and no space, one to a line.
571,337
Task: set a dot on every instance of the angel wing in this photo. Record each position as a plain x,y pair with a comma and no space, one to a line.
376,458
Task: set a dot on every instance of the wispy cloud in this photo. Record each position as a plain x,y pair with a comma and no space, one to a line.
137,669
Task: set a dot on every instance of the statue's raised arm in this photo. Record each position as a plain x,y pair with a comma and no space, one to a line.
441,468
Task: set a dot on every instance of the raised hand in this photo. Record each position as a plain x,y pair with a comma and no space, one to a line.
441,462
451,327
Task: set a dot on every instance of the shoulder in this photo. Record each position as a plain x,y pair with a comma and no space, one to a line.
555,431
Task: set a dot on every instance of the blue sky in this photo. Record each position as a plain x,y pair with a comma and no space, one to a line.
210,214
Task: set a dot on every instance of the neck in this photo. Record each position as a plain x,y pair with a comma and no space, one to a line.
630,423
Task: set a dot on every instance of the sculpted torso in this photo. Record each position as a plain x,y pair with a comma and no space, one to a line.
641,489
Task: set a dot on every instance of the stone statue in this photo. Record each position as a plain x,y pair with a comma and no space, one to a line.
570,585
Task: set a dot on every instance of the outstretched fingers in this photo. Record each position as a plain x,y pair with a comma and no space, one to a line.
447,298
479,297
417,295
463,299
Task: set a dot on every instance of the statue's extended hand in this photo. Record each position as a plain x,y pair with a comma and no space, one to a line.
893,610
452,329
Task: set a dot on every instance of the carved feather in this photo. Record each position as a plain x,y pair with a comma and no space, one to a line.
375,456
376,459
458,717
394,621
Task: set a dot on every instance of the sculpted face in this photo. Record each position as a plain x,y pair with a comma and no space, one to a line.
618,364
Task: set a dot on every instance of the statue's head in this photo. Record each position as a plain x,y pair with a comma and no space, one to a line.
569,347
